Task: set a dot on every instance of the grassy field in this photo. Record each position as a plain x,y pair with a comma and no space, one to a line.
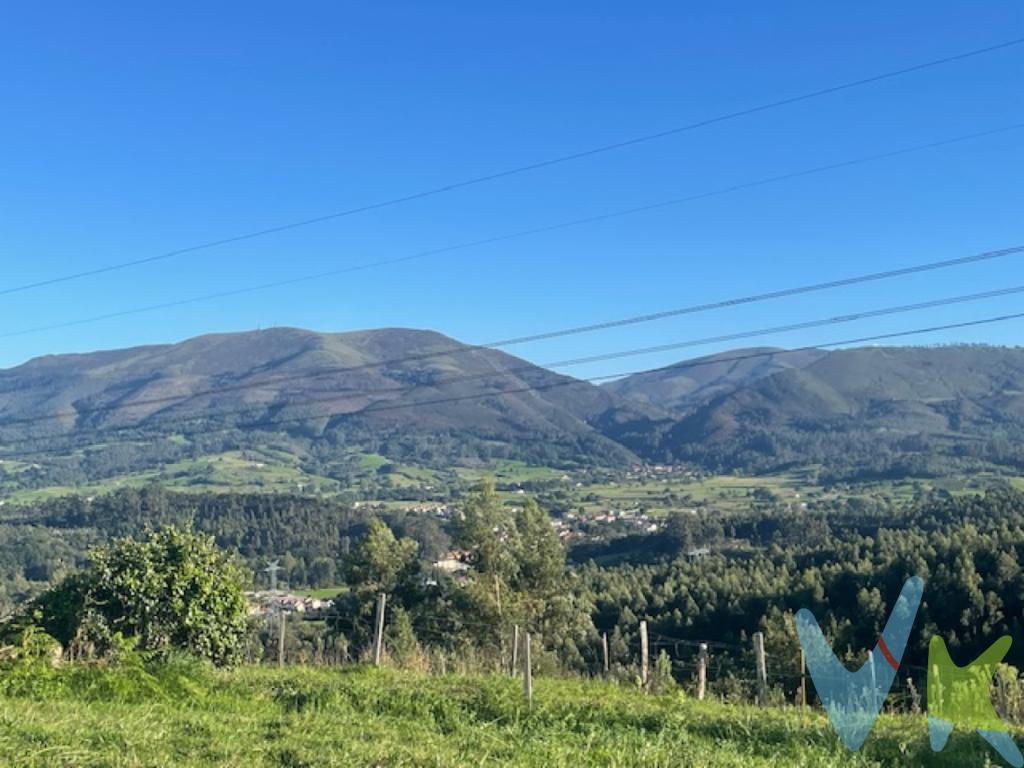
272,471
723,492
269,470
266,470
305,718
508,471
731,493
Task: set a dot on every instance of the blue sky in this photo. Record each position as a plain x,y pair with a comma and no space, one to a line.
132,129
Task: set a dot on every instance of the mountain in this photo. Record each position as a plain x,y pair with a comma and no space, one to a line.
693,382
408,394
323,400
860,412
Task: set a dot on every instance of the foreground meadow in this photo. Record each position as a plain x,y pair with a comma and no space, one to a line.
301,717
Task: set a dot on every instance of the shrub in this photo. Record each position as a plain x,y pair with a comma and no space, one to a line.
174,591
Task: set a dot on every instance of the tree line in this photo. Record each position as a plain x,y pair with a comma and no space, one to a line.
844,560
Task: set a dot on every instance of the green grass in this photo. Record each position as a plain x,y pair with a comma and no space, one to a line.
509,471
12,466
371,461
265,471
722,492
300,717
731,493
272,470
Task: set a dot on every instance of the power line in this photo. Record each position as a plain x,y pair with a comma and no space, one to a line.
558,226
307,376
598,150
810,348
562,382
785,293
836,320
608,377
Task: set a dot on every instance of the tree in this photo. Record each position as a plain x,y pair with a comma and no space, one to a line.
172,591
544,599
487,531
382,562
539,553
322,572
519,576
403,647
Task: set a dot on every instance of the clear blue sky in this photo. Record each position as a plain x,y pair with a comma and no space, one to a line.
130,129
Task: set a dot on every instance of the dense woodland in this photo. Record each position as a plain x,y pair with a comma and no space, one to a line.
849,453
845,564
846,561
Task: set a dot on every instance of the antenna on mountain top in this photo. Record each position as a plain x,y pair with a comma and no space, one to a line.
272,568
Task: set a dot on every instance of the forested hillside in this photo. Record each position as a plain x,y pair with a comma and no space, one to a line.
693,383
861,413
409,395
313,403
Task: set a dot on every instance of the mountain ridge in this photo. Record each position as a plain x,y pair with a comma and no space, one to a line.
877,408
356,389
690,382
420,396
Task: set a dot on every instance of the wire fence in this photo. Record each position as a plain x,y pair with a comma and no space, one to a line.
735,672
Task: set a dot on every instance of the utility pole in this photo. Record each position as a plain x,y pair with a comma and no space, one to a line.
604,653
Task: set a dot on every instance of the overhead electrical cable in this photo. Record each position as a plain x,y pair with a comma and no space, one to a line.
514,171
610,215
561,382
306,376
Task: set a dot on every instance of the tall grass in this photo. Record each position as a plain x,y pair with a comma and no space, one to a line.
184,714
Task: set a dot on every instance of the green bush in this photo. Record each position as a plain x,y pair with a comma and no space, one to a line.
172,592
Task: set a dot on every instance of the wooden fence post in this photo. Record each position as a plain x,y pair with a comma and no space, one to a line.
604,652
281,622
762,669
645,655
702,671
378,635
803,680
515,650
527,669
